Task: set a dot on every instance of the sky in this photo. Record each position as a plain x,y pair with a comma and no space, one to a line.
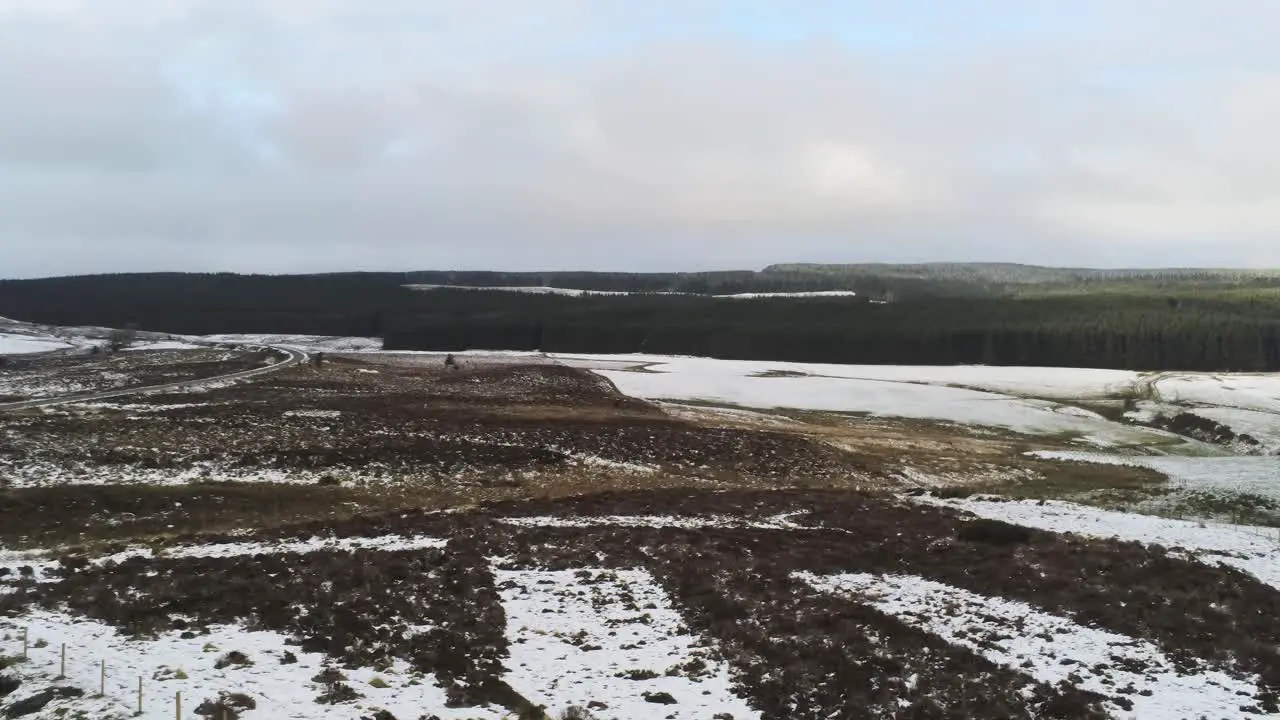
635,135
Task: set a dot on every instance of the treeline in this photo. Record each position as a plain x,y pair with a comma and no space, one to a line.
1190,331
708,283
1073,332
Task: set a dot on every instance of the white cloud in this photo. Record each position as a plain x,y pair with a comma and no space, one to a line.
290,135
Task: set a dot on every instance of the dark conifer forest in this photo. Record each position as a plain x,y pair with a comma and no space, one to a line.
922,314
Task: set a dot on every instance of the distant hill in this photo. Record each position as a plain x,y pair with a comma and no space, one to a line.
1014,273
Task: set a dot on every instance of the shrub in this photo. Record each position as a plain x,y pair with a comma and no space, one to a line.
227,706
659,698
8,685
637,675
338,693
329,676
235,657
994,532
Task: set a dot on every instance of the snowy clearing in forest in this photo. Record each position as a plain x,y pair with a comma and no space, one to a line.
890,391
1136,677
1250,548
1040,382
609,636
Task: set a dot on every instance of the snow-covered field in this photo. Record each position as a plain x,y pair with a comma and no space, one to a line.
1038,382
1246,403
609,636
926,393
1255,550
19,338
1263,426
1139,680
170,664
1252,475
11,344
1244,391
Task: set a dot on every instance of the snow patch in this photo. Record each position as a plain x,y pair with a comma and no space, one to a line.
25,344
279,690
313,413
1252,549
573,632
692,522
1251,474
1018,636
889,391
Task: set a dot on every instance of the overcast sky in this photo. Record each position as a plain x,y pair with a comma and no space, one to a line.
317,135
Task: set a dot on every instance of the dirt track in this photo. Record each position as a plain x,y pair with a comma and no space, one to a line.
292,357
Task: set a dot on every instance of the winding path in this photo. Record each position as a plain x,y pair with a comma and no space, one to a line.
294,357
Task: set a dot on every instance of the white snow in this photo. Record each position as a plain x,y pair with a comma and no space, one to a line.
528,290
890,391
165,345
1252,549
553,615
25,344
280,691
307,343
690,522
725,414
1245,391
384,543
1018,636
44,568
1038,382
1256,475
596,461
311,413
13,561
810,294
1262,426
24,472
573,292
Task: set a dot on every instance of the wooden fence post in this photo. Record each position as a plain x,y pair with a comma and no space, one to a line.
62,665
102,687
139,695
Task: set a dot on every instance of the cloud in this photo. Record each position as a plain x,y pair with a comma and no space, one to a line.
283,135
